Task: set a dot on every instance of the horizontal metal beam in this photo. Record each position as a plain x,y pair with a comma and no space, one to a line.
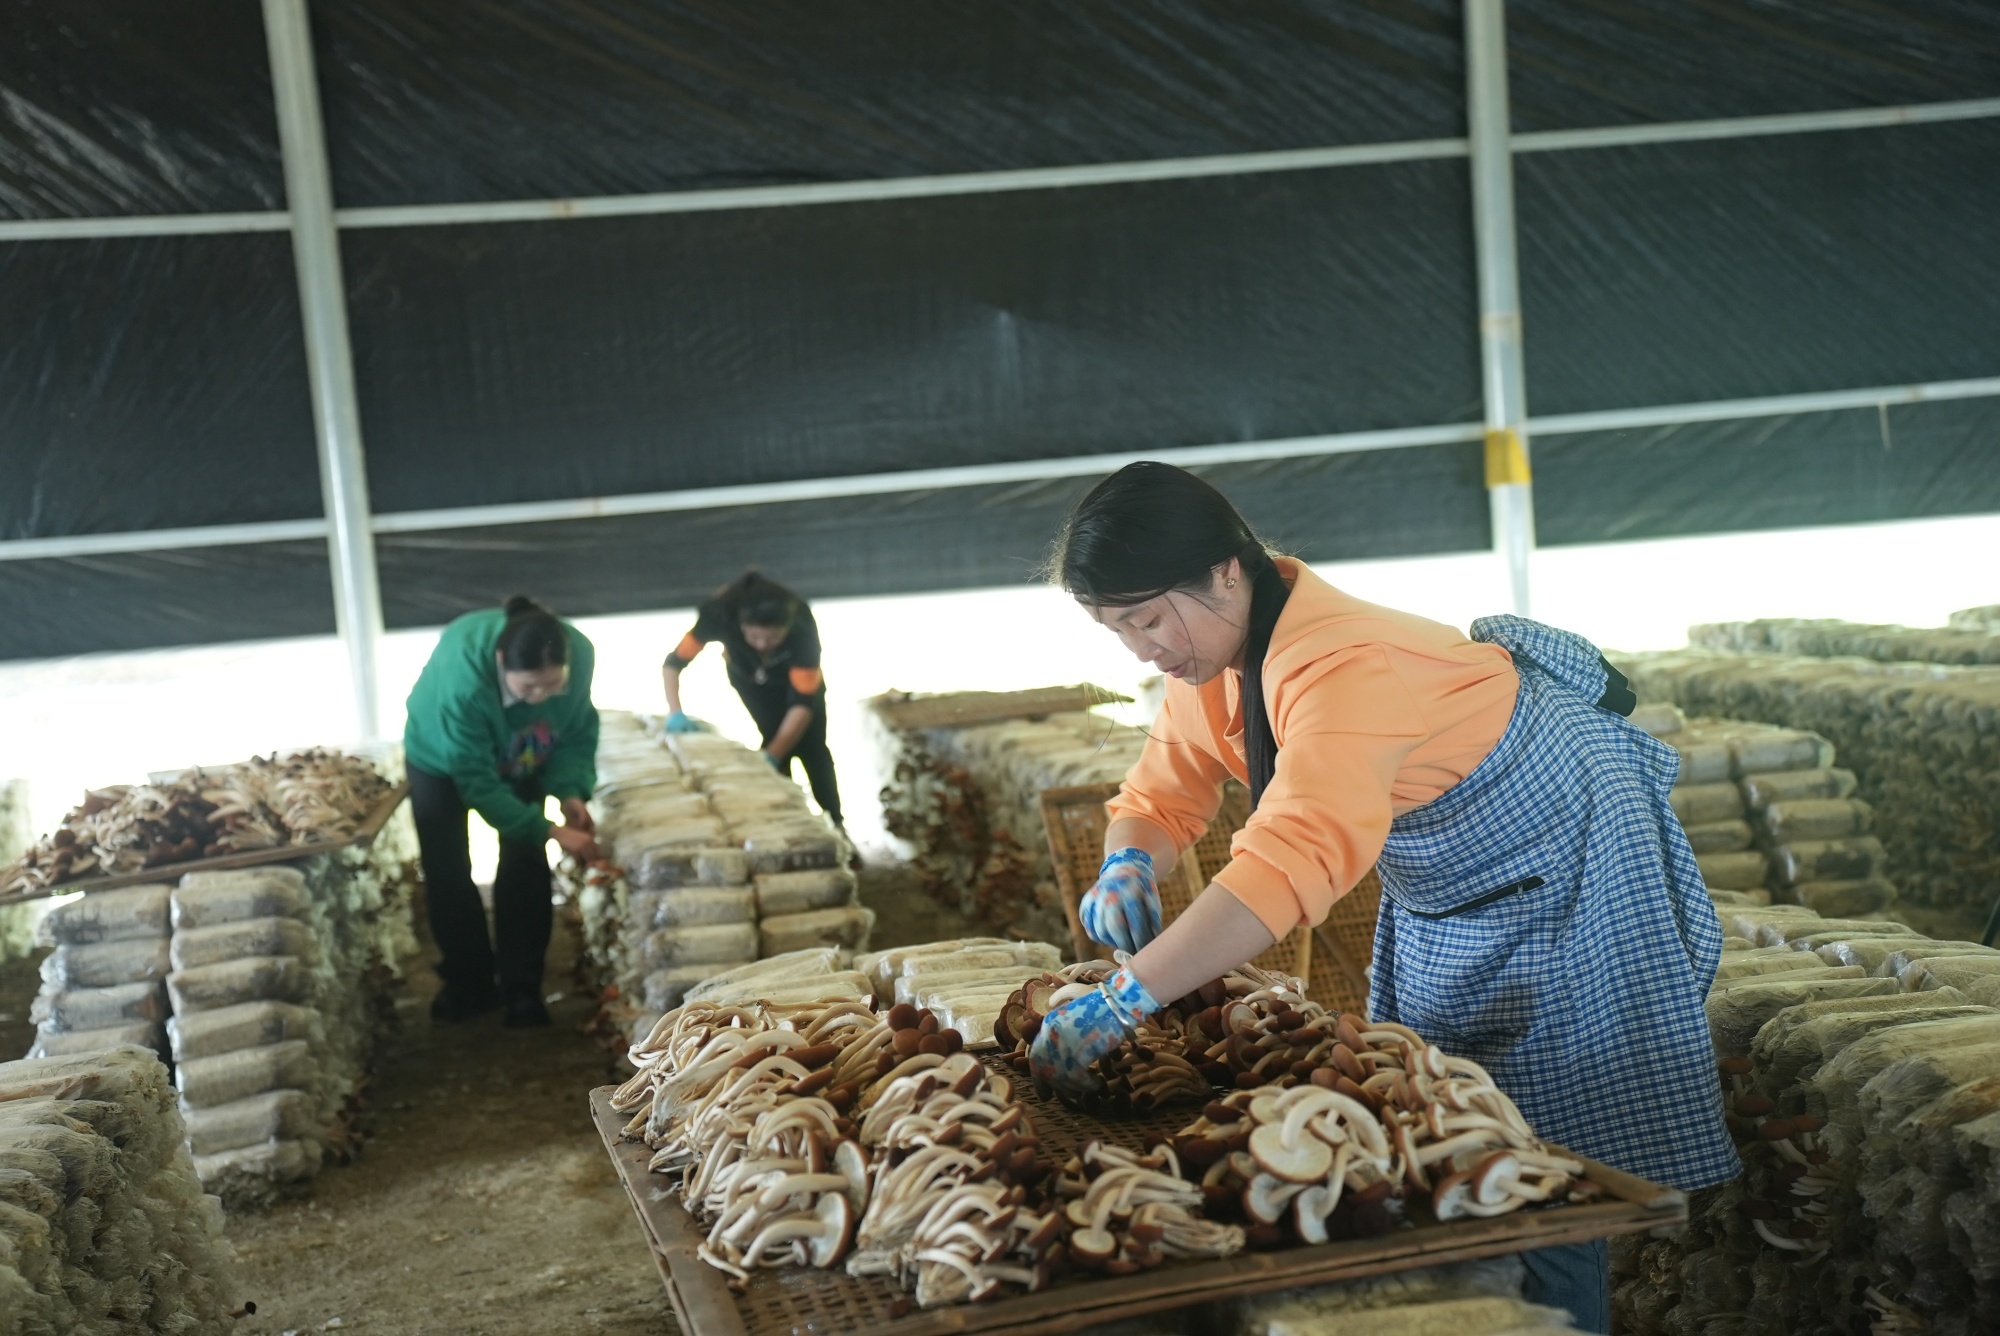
986,183
981,475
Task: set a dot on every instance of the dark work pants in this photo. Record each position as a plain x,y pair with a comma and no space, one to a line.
1575,1276
521,888
811,753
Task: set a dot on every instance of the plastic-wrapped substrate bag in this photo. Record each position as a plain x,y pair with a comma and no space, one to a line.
107,916
798,892
250,979
1827,860
103,964
794,965
1736,1012
1815,819
1733,872
847,927
1953,971
1697,803
666,868
665,989
274,1115
251,1174
1786,962
1885,956
1779,749
207,1082
718,943
203,1034
1838,1083
52,1043
1793,785
696,906
195,947
101,1008
1864,895
1719,837
1793,1043
794,848
204,899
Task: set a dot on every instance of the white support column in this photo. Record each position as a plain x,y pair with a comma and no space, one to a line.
343,471
1509,484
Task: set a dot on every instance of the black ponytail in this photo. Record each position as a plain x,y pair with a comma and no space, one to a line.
532,639
1150,529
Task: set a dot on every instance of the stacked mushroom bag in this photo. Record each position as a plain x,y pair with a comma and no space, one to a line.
1923,741
104,984
249,1038
1971,638
803,894
969,800
1861,1085
103,1225
1769,816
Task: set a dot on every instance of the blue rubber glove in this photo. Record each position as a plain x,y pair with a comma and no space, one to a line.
781,764
1123,909
1079,1032
678,722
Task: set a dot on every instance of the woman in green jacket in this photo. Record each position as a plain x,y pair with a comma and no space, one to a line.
499,721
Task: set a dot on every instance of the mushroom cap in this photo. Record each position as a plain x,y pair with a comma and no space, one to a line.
852,1164
837,1217
1265,1200
1451,1197
1494,1177
1310,1210
1303,1161
1093,1247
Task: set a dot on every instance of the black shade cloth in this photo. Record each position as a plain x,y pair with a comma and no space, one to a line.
135,107
506,99
152,383
502,363
1672,273
1906,462
1577,63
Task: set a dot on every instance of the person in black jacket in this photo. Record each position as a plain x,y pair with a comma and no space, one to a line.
770,645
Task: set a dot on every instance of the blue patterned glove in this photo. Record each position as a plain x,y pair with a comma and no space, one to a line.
1079,1032
1123,909
678,722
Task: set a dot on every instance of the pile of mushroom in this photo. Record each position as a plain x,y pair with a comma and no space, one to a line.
1387,1116
1129,1212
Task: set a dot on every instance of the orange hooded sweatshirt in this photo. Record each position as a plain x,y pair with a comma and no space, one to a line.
1375,712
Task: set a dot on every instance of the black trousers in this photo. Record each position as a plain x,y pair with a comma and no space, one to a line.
811,752
522,916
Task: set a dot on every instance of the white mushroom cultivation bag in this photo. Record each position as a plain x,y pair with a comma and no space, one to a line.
695,906
102,964
75,1009
717,942
249,979
204,899
107,916
793,966
274,1115
797,892
203,1034
665,869
195,947
207,1082
52,1043
846,927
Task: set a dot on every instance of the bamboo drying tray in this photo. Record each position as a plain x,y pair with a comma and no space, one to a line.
378,816
1330,958
797,1301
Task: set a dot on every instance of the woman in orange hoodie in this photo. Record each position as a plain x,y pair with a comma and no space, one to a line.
1542,912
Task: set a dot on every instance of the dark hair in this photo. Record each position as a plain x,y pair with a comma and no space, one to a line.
1151,528
756,601
532,639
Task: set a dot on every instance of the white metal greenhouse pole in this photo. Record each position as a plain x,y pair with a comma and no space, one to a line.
343,471
1509,484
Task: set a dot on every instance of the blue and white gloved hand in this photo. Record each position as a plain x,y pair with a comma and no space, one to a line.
677,722
1084,1029
1123,909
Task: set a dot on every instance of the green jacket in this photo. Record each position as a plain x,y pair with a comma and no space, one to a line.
458,727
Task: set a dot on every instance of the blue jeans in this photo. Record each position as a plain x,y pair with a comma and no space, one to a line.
1576,1276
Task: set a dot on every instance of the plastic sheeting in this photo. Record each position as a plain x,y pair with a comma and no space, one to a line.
501,363
152,383
1578,63
1769,473
1678,272
127,107
498,99
1389,502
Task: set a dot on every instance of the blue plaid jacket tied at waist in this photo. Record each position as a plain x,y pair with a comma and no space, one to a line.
1545,918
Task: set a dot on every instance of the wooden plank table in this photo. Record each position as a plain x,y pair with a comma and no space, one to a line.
795,1301
371,826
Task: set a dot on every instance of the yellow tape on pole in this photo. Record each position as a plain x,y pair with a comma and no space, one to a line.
1506,458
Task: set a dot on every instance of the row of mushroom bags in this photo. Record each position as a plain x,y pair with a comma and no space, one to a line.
104,1226
263,986
714,861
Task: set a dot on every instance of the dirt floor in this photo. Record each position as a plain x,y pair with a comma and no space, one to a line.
484,1202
